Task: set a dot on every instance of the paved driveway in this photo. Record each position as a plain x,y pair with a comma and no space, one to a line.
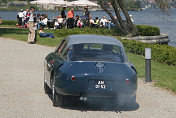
22,94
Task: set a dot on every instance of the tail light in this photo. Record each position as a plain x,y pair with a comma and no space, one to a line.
73,78
127,81
51,61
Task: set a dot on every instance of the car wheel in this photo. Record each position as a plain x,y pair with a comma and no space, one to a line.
46,88
56,98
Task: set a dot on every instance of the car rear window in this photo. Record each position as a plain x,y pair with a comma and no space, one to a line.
95,52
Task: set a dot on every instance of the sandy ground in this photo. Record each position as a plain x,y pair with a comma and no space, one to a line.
22,94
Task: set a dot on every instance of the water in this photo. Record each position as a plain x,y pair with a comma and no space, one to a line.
146,17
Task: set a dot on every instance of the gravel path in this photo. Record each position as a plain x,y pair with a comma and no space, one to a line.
22,94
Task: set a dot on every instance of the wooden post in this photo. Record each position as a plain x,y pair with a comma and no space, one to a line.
58,10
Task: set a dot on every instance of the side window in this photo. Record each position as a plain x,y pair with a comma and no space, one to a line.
61,48
67,53
116,50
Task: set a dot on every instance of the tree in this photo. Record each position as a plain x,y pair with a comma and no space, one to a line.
125,26
165,5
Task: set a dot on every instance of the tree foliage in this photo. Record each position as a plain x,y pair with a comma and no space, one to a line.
165,5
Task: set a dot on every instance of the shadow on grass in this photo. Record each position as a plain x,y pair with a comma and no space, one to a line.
4,31
73,103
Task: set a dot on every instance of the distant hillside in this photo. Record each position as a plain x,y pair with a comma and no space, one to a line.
6,1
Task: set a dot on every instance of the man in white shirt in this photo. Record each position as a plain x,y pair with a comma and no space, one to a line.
20,17
103,21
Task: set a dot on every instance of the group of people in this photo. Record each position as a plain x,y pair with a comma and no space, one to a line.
70,21
28,19
22,18
31,24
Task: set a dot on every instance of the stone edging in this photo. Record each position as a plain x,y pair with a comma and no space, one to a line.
160,39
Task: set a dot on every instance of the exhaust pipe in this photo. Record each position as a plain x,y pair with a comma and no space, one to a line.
83,98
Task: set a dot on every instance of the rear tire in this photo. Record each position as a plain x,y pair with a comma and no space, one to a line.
57,98
47,89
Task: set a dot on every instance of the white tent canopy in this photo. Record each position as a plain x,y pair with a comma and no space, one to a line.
50,2
54,2
60,2
42,2
83,3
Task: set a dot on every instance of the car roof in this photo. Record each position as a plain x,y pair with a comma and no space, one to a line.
86,38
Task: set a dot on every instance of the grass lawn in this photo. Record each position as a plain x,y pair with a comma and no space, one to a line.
163,75
8,26
22,35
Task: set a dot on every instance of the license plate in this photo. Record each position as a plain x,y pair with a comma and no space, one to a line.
100,84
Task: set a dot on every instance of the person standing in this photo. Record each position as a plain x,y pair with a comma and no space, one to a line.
87,16
63,13
87,12
25,17
20,18
31,35
70,22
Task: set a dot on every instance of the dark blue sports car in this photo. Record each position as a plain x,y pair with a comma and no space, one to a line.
87,66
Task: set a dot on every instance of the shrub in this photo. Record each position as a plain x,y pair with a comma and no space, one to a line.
101,31
146,30
9,22
162,53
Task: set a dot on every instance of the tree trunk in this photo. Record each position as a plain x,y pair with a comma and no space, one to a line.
130,26
120,20
127,26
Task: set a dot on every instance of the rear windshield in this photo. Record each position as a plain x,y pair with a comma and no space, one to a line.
96,52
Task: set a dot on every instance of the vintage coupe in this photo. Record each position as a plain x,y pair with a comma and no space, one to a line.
87,66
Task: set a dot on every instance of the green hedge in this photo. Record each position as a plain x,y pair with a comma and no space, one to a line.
146,30
162,53
9,22
66,32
